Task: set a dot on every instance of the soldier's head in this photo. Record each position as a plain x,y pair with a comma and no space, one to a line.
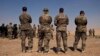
82,13
10,23
24,9
3,24
15,25
61,10
45,10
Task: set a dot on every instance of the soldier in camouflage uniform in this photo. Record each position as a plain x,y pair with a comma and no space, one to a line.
15,31
93,33
10,31
38,32
61,21
34,30
26,30
3,30
45,33
52,30
90,32
81,29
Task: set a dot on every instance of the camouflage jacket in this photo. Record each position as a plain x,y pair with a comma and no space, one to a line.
61,21
9,28
81,22
45,22
25,21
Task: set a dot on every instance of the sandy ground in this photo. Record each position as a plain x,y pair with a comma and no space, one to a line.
13,48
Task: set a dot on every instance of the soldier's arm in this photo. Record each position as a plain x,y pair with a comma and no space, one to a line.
76,21
86,21
40,20
20,18
30,19
55,21
50,20
67,20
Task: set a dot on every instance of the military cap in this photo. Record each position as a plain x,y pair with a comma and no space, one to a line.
24,8
45,9
82,12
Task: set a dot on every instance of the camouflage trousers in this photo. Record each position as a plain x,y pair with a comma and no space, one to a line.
26,34
44,39
10,35
63,35
83,37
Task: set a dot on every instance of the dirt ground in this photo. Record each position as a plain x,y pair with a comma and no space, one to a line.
13,48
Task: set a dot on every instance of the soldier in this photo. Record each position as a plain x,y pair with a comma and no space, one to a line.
6,31
19,31
3,30
38,30
34,30
15,31
52,30
44,31
90,32
61,21
93,33
10,30
26,30
81,29
0,31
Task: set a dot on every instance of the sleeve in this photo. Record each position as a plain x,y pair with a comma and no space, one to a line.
30,19
20,19
67,20
40,20
55,21
50,20
75,21
86,21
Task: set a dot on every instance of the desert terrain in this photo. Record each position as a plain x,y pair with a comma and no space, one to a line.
13,47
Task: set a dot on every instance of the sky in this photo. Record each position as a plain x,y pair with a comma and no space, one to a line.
11,9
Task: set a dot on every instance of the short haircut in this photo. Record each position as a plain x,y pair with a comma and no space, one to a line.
61,10
24,9
82,12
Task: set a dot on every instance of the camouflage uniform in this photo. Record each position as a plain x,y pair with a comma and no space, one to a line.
52,30
39,32
44,32
93,33
61,21
26,31
34,30
10,31
81,29
90,32
3,30
15,31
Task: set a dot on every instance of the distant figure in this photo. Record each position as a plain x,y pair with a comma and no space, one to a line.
19,31
81,29
0,31
61,21
90,32
34,30
10,31
52,30
45,31
93,33
39,32
3,30
26,30
6,31
15,31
